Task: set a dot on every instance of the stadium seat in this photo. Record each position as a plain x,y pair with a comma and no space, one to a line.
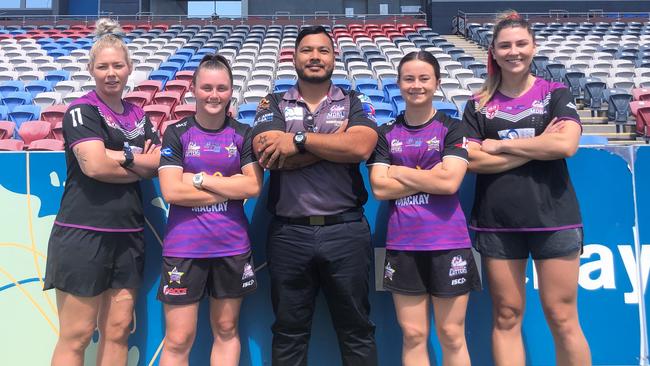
157,113
11,86
139,98
376,96
34,130
170,98
57,131
54,114
180,86
57,75
363,85
23,113
556,71
593,89
247,111
151,86
165,124
383,110
282,85
71,97
161,75
641,110
46,145
7,129
11,145
183,110
14,99
38,86
618,104
447,108
185,75
641,94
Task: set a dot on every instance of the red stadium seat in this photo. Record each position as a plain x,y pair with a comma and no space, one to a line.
35,130
158,113
11,145
170,98
180,86
7,129
184,110
641,110
46,145
184,75
164,125
151,86
641,94
57,131
139,98
54,113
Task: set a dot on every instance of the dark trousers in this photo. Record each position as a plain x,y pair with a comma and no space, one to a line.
303,259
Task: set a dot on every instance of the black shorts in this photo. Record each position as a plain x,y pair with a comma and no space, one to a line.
440,273
538,244
187,280
86,263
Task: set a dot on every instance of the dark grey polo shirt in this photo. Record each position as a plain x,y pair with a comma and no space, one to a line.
323,188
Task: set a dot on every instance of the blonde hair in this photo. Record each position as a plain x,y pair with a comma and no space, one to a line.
108,33
507,19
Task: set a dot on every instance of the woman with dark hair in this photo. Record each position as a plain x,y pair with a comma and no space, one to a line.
95,255
523,128
419,164
207,170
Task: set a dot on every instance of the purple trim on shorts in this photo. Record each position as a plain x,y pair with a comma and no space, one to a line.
102,229
84,140
525,229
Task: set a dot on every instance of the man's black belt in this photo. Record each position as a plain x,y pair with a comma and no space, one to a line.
347,216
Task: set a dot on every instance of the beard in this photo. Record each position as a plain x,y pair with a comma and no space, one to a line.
315,79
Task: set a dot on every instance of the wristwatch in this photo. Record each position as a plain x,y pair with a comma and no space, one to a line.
197,180
299,139
128,156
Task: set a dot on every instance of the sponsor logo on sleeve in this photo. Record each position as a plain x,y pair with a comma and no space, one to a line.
166,152
264,104
366,105
266,117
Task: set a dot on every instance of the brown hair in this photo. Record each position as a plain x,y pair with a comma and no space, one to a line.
508,19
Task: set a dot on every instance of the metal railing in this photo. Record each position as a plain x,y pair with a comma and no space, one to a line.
278,18
462,19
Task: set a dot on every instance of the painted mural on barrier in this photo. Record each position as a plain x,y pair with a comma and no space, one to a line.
610,287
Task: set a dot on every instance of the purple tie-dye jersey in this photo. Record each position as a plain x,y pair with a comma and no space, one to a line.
423,221
217,230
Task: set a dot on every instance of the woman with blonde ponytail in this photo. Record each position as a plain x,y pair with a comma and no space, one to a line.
96,249
521,129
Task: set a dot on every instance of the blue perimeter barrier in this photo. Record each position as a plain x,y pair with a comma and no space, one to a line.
611,302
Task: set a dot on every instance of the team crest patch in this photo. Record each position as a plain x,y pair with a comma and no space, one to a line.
248,272
433,144
175,276
458,266
491,111
389,271
231,149
264,104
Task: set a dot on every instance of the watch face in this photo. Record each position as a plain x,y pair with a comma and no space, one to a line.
300,138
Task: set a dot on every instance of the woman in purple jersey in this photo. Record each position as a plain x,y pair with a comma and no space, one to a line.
419,164
96,249
207,170
523,127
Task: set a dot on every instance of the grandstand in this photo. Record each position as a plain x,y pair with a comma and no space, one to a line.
604,59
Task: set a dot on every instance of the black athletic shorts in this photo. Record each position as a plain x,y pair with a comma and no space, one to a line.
186,280
440,273
538,244
86,263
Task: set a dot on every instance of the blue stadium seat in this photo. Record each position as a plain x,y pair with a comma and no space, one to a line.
572,79
593,140
594,92
38,86
282,85
399,106
383,110
12,100
57,75
162,75
478,68
190,66
447,108
556,71
364,85
4,113
247,111
376,96
172,67
11,86
58,53
342,83
538,66
618,104
383,120
23,113
179,58
387,85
